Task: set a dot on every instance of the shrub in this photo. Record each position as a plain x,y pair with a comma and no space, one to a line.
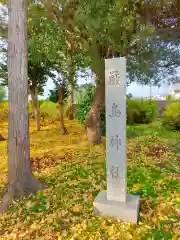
171,116
53,97
85,100
140,111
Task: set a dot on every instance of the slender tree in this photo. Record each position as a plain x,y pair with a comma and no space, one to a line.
61,86
20,178
39,66
2,96
2,93
38,74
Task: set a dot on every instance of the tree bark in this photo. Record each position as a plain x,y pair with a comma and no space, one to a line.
70,105
20,178
35,104
92,120
33,116
2,138
63,130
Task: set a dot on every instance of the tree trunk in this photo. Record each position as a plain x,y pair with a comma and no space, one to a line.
33,116
70,105
61,112
93,121
20,178
35,104
2,138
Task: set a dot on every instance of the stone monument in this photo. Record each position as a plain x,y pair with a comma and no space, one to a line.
115,202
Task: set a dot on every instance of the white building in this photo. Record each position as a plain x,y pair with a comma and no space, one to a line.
160,97
175,90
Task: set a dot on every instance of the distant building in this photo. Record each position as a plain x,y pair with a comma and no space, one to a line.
175,90
160,97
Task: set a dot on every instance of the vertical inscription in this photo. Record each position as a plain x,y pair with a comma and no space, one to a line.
114,172
115,112
115,97
114,78
115,142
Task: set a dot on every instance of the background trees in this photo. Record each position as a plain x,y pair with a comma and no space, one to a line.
2,96
125,31
82,39
38,74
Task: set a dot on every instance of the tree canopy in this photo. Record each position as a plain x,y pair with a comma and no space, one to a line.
76,35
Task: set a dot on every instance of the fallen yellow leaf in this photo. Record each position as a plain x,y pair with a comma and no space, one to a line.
136,187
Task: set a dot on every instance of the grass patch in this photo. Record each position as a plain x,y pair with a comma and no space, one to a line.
50,108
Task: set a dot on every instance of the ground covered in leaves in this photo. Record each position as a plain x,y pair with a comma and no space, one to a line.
75,173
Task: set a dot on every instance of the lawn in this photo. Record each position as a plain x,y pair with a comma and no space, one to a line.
76,172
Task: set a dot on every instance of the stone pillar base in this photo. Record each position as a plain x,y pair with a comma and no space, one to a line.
125,211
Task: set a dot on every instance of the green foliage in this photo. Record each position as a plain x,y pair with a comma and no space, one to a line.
53,96
169,98
2,93
171,116
38,74
121,27
85,99
137,112
129,96
140,111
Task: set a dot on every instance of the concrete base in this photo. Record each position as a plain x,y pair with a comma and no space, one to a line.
127,212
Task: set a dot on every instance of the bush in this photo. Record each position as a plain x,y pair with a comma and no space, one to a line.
85,100
171,116
53,97
140,111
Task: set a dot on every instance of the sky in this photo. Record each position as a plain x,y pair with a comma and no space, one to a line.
135,89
